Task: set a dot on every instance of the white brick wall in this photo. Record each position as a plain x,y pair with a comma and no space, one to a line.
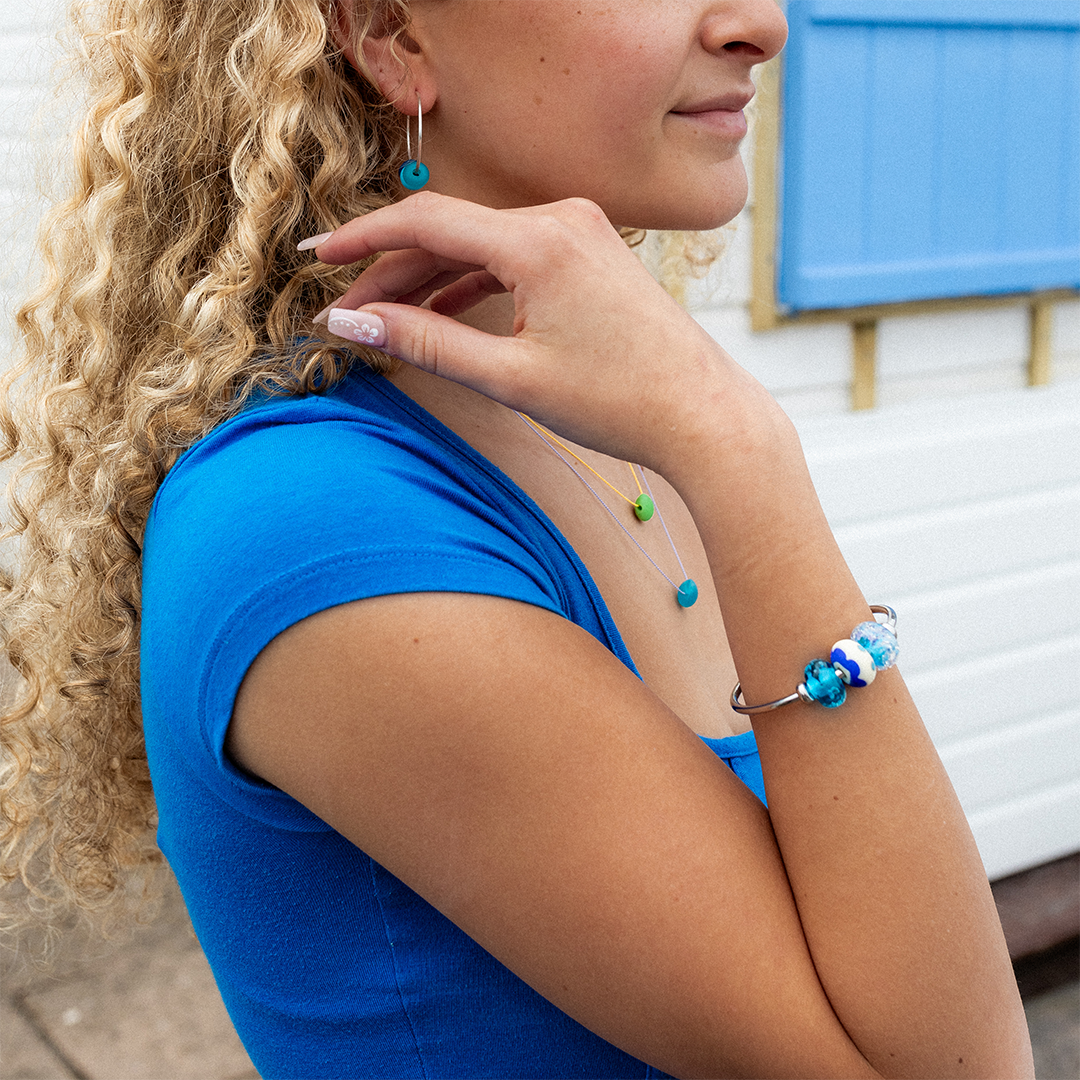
957,501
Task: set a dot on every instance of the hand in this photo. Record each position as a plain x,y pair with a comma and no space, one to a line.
600,353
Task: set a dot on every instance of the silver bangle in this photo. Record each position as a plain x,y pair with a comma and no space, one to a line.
853,661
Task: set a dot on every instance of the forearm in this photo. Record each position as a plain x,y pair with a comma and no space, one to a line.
890,889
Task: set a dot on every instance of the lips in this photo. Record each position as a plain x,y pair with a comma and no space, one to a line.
729,103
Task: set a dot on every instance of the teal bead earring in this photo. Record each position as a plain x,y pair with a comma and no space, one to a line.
414,173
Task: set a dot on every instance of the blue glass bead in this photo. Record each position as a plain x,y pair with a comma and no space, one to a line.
879,641
687,594
823,684
853,663
413,175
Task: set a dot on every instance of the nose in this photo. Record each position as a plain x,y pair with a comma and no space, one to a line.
752,29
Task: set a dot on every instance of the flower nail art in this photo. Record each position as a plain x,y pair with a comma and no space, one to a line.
359,326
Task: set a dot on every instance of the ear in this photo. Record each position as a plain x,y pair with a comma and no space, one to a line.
389,58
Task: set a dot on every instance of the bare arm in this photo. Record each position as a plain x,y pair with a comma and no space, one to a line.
504,765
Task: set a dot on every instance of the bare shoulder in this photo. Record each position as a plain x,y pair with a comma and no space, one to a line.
500,761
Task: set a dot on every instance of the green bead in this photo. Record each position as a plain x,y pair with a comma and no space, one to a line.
644,508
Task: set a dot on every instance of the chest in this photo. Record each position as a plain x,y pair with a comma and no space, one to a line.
681,652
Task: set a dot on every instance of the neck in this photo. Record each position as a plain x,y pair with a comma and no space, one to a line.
495,315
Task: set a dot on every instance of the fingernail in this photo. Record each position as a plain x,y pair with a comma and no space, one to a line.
359,326
321,317
313,241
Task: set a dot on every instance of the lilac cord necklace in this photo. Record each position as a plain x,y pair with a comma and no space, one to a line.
687,593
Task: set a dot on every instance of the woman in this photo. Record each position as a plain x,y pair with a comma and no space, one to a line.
437,723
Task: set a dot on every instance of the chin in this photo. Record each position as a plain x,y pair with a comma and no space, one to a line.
694,207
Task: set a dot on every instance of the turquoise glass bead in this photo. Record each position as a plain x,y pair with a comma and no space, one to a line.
644,508
413,175
687,594
879,641
823,684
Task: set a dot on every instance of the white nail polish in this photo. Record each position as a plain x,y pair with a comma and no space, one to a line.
313,241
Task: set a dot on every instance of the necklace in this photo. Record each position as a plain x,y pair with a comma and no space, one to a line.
644,506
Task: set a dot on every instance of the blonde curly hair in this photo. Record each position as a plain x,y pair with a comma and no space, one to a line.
215,137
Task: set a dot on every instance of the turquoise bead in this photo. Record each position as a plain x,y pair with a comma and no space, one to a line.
687,594
879,641
413,175
823,684
644,508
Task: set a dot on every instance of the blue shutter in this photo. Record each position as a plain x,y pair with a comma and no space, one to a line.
930,149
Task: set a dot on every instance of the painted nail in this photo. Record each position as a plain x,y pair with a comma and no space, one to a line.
313,241
321,317
359,326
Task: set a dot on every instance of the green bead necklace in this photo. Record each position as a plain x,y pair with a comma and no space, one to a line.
644,507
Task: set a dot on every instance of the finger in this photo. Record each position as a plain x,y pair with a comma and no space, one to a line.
440,345
403,273
466,292
435,285
453,230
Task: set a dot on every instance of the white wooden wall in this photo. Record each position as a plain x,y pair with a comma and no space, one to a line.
969,525
28,52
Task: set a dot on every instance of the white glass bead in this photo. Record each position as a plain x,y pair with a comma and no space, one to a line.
853,663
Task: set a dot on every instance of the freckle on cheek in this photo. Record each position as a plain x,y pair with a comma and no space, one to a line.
538,100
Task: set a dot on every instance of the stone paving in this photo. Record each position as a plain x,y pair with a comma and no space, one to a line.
148,1009
142,1009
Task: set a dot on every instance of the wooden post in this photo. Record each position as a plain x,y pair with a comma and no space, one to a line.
766,116
1042,322
864,373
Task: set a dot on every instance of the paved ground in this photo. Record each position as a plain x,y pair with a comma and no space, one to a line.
147,1009
143,1009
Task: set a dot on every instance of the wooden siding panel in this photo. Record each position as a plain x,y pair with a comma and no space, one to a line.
994,692
1015,761
998,614
943,453
943,548
1026,832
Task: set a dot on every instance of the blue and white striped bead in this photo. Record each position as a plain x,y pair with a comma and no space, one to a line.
853,663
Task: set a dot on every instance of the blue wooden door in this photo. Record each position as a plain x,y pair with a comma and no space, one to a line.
930,148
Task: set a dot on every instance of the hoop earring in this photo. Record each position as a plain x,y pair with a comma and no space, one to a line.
414,173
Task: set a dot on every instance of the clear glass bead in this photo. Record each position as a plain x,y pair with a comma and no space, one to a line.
879,641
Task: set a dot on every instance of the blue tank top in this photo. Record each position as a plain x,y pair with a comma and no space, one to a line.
328,964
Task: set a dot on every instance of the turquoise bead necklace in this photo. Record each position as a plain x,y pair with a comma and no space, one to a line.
644,506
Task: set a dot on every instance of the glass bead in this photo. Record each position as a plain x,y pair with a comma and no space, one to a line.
644,508
687,594
413,175
879,641
853,663
823,684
